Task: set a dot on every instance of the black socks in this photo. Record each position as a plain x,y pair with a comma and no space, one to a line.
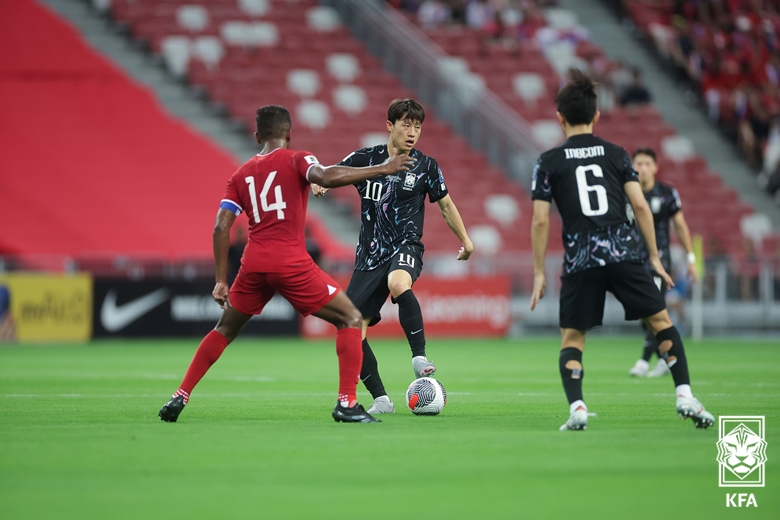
572,376
675,356
651,345
410,316
369,372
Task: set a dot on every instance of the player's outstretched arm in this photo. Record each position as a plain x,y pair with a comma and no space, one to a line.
540,232
335,176
644,219
684,235
453,219
221,243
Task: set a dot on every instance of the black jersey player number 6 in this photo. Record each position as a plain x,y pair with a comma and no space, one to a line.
585,189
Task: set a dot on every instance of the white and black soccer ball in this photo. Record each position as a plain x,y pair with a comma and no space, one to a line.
426,396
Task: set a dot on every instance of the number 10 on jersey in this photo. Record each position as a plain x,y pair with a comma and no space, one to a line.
279,205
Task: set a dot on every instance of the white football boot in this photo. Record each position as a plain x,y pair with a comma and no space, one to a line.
691,407
660,370
578,420
382,404
422,367
639,369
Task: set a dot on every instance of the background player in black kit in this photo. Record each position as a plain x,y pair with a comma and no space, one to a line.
590,179
389,254
664,202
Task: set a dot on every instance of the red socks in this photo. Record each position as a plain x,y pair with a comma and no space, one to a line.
208,352
349,347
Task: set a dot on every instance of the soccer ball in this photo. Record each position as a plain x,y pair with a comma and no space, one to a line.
426,396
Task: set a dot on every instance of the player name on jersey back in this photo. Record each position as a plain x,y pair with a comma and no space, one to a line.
584,153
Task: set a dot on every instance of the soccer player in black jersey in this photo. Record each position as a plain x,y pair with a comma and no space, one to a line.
591,181
664,202
389,253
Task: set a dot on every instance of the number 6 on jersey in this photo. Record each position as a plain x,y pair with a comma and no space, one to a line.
279,205
602,205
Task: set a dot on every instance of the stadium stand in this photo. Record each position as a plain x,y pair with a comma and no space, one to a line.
523,63
245,54
112,173
728,53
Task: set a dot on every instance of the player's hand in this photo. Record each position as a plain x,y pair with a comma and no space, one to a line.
465,252
660,271
540,284
693,274
398,163
220,295
318,190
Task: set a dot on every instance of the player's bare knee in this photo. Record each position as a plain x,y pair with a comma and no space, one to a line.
398,287
352,318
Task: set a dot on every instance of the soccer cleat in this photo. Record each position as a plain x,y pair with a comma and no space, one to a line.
578,420
422,367
171,410
660,370
382,404
355,414
691,407
639,369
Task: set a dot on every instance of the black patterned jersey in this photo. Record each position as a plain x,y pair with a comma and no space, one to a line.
393,206
585,177
664,202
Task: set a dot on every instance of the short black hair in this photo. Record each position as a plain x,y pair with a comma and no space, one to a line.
644,151
577,100
273,122
401,109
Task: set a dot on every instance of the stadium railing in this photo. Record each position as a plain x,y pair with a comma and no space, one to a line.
441,81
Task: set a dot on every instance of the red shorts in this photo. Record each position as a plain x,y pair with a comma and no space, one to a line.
308,290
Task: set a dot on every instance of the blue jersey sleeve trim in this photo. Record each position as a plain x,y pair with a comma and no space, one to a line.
230,206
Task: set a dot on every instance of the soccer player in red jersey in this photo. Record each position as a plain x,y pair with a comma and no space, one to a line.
273,189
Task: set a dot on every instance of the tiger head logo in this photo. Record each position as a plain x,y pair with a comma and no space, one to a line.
741,451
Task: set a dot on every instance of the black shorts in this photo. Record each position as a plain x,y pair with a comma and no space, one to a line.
583,294
368,289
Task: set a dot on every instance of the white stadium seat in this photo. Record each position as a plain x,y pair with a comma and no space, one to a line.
350,98
194,18
343,66
547,132
209,50
254,7
304,82
176,53
529,86
373,139
486,239
756,226
249,34
561,18
323,19
502,208
678,148
313,113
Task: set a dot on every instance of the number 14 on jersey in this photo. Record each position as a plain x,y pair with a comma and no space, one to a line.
278,205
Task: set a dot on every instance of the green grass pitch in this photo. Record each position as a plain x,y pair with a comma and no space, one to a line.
80,437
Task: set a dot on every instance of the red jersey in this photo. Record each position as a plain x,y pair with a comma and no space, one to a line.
274,191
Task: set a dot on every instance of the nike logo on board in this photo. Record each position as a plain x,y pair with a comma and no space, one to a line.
115,318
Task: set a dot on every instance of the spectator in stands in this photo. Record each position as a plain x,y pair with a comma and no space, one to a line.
434,14
620,77
769,178
637,92
479,13
749,267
